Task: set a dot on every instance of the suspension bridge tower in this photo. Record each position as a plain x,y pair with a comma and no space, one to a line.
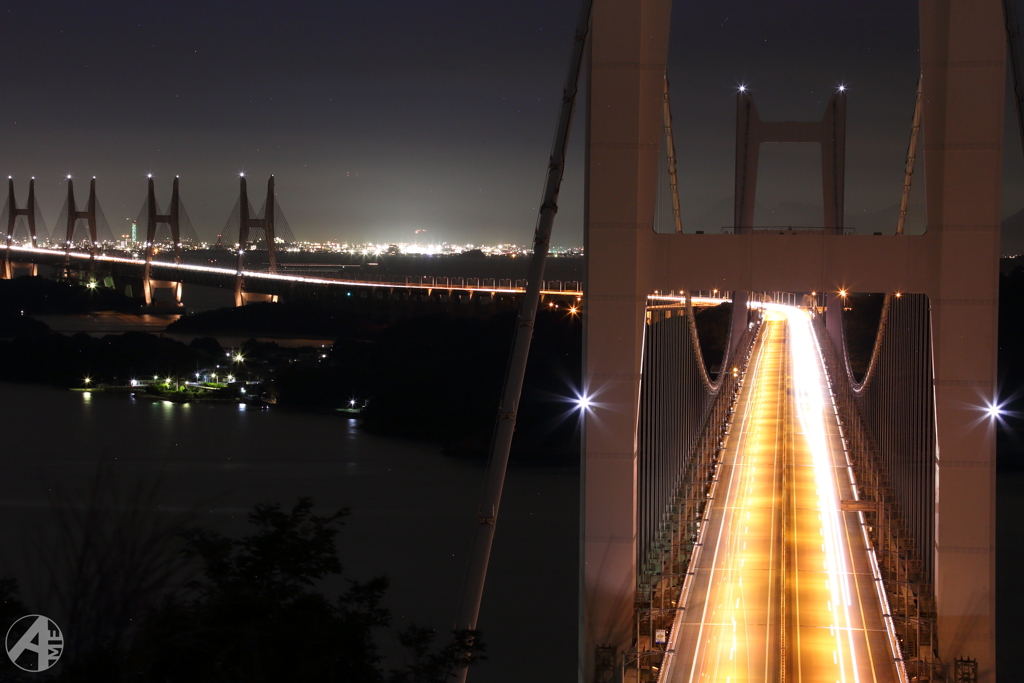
955,265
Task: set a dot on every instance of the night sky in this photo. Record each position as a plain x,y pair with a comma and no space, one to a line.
383,118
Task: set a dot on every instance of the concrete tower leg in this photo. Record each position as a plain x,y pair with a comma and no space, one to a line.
173,218
963,61
70,227
243,238
90,217
628,48
12,217
268,227
151,223
30,211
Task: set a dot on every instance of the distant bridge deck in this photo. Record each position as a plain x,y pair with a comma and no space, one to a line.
221,276
264,281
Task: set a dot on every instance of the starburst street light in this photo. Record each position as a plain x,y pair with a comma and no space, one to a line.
996,410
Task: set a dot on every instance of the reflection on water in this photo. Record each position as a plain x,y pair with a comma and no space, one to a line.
413,507
107,322
111,322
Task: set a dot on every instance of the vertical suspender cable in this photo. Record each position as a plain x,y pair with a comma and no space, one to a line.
911,156
1016,62
487,515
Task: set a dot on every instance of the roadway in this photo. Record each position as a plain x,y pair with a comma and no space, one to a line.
783,587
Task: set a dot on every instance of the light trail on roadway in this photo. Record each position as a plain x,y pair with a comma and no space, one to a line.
338,282
782,586
264,275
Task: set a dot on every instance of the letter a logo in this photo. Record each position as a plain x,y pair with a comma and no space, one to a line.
34,643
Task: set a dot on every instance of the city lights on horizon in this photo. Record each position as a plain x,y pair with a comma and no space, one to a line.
369,249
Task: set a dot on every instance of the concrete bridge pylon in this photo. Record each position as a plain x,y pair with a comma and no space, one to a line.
74,215
247,222
153,220
31,213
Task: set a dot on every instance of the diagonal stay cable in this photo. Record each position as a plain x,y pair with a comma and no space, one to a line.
487,514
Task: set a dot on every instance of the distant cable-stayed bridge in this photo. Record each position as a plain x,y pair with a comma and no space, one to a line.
257,275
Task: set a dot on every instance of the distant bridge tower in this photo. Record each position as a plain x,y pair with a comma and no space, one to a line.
31,211
74,215
247,221
153,220
752,132
830,134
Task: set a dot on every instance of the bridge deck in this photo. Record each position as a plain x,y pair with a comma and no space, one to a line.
783,587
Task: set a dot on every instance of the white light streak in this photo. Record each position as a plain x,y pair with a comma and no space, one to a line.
810,388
